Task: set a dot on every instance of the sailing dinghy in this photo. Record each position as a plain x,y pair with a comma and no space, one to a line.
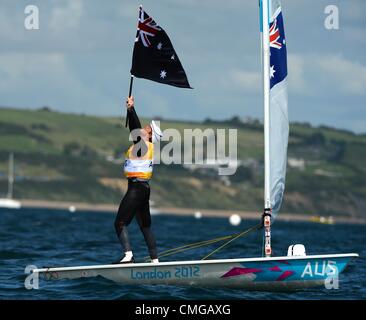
267,273
294,271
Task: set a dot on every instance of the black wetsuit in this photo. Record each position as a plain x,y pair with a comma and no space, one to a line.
136,200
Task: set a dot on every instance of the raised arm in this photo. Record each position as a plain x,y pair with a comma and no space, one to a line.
133,120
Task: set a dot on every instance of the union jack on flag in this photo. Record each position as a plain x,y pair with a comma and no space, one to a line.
146,27
274,36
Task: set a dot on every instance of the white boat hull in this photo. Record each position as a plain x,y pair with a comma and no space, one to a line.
277,273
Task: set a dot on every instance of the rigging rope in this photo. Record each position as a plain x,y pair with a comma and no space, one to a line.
191,246
208,242
256,227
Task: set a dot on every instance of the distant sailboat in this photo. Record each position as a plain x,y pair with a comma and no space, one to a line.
9,202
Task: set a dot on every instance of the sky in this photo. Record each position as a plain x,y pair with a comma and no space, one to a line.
80,58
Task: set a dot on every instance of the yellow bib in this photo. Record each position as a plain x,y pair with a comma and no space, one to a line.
139,167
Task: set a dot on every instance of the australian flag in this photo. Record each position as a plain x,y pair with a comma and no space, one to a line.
154,57
277,42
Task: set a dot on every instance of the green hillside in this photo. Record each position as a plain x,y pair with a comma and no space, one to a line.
70,157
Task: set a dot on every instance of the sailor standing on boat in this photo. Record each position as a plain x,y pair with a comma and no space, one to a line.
138,170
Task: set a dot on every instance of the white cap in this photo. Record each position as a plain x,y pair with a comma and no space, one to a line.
156,131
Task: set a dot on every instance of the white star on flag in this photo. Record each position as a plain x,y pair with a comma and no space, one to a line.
272,72
284,41
159,46
172,57
162,74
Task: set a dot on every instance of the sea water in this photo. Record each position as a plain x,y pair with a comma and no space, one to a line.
43,237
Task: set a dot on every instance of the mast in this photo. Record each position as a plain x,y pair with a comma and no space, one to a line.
266,101
11,176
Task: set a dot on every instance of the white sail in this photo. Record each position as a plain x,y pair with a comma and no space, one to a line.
11,176
9,202
278,111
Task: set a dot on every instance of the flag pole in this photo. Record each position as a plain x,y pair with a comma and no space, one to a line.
266,93
131,79
129,95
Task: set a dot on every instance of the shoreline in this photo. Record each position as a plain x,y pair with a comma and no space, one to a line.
251,215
